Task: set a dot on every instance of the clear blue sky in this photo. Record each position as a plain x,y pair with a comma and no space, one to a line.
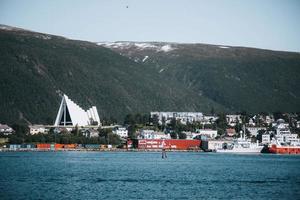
269,24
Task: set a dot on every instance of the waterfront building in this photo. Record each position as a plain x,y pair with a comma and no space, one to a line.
121,131
5,129
37,128
151,134
70,114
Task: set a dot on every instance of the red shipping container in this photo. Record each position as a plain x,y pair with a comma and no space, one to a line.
43,146
70,146
58,146
172,144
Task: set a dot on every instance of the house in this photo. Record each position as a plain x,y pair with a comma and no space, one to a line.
90,133
208,119
121,131
230,132
151,134
207,132
5,129
254,130
183,117
269,119
251,122
35,129
232,120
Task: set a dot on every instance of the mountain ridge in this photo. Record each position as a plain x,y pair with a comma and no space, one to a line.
36,67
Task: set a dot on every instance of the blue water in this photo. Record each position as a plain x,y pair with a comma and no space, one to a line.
135,175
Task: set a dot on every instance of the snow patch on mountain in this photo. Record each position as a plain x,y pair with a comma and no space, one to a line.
224,47
167,48
139,45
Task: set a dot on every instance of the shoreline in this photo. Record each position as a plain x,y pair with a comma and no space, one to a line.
97,150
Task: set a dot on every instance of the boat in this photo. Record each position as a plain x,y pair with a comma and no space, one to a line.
240,145
284,149
283,146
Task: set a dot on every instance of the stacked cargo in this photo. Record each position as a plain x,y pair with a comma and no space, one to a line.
14,147
58,146
70,146
43,146
92,146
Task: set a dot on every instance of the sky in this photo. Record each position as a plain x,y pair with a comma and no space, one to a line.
267,24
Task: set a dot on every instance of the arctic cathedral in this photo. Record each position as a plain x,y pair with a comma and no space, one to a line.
70,114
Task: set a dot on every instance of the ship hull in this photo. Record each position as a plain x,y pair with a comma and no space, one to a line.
284,149
240,150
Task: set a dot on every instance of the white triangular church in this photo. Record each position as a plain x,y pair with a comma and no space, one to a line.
70,114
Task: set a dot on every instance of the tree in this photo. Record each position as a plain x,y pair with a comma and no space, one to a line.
221,123
181,135
259,135
114,139
173,135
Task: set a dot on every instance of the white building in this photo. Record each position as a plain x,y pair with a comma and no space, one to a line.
251,122
90,133
35,129
265,139
208,133
287,138
121,131
184,117
190,135
5,129
232,120
208,119
151,134
70,114
254,130
269,119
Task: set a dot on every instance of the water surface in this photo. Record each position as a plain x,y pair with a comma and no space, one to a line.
144,175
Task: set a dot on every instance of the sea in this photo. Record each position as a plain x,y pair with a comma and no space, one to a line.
145,175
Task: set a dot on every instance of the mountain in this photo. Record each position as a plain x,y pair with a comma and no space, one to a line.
239,78
35,68
131,77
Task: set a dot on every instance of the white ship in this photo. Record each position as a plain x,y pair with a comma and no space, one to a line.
240,145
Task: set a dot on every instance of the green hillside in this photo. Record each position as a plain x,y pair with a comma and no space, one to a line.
240,79
35,68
